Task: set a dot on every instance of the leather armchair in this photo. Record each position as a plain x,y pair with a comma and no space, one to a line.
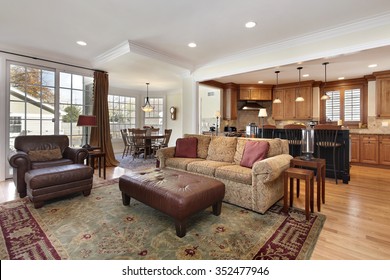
22,162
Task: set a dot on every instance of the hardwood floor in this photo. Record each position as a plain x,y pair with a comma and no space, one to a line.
358,215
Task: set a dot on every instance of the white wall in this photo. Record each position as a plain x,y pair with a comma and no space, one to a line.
174,98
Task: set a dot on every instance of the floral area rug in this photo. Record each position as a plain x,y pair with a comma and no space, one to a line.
100,227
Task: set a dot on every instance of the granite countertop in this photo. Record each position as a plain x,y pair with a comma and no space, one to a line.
369,131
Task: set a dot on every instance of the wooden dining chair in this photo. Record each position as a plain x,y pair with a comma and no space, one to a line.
126,141
140,145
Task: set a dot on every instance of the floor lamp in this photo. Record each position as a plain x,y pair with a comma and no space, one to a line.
217,115
87,121
262,115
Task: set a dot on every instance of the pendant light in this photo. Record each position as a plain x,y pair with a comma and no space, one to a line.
277,100
325,96
147,107
299,98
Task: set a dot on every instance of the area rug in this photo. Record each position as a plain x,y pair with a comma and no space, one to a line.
100,227
136,164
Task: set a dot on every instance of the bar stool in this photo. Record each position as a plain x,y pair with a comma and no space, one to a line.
299,174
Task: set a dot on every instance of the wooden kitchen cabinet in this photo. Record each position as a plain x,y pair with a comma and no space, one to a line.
230,101
383,94
259,93
384,149
369,149
289,109
355,147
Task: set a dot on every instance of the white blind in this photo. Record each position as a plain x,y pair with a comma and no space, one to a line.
333,106
352,105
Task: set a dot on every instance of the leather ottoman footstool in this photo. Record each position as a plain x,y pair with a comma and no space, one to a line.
52,182
175,193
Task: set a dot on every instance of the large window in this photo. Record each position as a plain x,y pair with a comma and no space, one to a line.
122,114
156,117
38,106
345,103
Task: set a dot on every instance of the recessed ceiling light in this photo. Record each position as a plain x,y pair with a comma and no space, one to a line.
250,24
81,43
260,82
341,78
192,45
373,65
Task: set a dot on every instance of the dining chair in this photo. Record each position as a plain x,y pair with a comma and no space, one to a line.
325,136
294,137
126,141
139,142
164,143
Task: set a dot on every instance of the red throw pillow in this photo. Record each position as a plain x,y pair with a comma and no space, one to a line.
186,147
254,151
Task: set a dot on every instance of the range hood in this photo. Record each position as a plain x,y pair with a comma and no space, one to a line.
251,105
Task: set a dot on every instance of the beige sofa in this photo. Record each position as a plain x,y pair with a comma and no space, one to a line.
256,188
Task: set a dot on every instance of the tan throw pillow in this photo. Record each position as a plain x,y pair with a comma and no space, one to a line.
222,148
203,144
44,155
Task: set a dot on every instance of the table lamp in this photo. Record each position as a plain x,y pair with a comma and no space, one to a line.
87,121
262,115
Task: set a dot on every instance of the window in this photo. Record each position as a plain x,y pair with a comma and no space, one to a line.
345,103
76,98
37,106
156,117
122,114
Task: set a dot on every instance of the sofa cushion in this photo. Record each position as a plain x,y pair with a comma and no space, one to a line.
222,148
180,163
275,147
234,173
186,147
44,155
205,167
254,151
203,144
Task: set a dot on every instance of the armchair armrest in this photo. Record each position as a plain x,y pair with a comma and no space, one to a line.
77,155
165,153
21,163
271,168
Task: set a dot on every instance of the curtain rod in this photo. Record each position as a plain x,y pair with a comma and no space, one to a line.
52,61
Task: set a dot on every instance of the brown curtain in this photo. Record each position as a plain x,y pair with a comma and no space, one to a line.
100,135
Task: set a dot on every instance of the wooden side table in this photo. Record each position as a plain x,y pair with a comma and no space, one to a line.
319,164
299,174
99,155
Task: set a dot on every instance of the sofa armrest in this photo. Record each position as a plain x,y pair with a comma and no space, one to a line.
21,163
271,168
165,153
77,155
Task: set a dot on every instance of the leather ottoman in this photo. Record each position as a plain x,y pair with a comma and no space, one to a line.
52,182
175,193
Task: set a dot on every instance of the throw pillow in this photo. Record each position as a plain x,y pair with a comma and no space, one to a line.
44,155
254,151
186,147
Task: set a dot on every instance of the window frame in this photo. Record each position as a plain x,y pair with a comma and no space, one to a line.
150,115
342,86
116,135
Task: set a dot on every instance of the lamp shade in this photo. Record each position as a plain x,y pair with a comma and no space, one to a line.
217,114
263,113
86,120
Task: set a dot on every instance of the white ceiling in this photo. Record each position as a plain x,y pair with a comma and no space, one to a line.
138,41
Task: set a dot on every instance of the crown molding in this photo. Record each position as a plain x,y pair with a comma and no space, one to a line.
329,33
111,54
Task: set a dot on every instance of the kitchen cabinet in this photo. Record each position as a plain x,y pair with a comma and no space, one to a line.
289,109
230,101
384,149
355,147
383,94
369,149
252,92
